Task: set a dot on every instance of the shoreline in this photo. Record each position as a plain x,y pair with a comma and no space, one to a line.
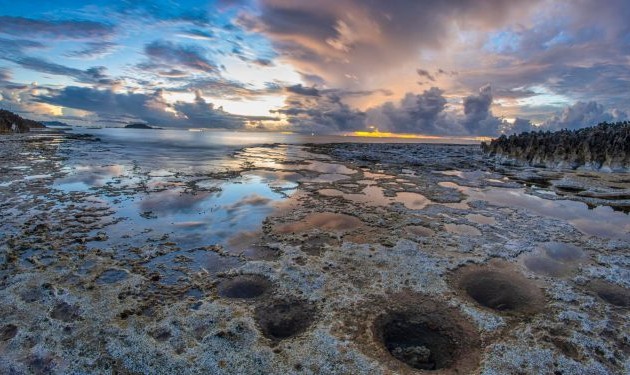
350,237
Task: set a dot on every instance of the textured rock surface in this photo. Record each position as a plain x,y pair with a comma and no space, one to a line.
344,287
603,147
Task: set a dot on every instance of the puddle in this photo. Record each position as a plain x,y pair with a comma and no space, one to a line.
326,221
412,201
179,266
555,259
196,219
327,178
601,221
481,219
373,196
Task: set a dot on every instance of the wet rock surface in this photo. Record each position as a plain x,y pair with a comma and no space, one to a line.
322,259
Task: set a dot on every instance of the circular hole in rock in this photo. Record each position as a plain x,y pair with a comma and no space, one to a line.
281,319
502,291
65,312
8,332
611,293
244,286
418,343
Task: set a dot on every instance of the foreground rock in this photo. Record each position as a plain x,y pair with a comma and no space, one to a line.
603,147
12,123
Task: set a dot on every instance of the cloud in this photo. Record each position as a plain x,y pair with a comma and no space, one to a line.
583,114
189,56
59,30
153,108
518,126
353,43
94,75
425,74
428,113
321,114
17,47
93,50
301,90
197,34
5,74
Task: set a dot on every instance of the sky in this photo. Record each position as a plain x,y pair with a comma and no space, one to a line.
444,68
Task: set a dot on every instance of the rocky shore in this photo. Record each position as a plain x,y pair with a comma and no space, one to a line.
337,259
12,123
604,147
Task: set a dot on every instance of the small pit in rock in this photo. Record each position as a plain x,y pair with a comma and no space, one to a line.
413,333
8,332
65,312
281,319
244,287
611,293
417,343
500,289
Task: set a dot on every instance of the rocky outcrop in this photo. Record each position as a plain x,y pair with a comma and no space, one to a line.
138,126
603,147
12,123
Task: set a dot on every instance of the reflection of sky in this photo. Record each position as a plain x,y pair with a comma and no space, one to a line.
600,221
201,218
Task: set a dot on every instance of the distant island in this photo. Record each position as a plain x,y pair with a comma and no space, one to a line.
139,126
57,125
14,123
604,147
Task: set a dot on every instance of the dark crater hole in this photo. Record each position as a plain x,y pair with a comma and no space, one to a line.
421,343
282,319
244,286
499,291
611,293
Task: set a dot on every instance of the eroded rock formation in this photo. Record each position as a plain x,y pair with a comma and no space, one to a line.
602,147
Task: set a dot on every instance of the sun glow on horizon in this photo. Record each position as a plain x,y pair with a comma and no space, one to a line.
378,134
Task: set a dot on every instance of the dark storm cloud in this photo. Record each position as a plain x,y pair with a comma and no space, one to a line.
190,56
301,90
426,74
321,114
415,113
93,50
49,29
427,113
514,93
